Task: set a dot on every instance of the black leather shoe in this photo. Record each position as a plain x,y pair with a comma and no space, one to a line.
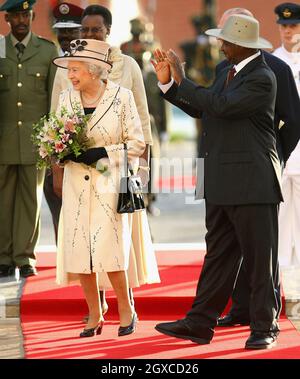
181,329
125,330
230,320
96,331
6,270
261,340
27,270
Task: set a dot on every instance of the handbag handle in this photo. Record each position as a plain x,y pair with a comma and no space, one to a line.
125,160
127,166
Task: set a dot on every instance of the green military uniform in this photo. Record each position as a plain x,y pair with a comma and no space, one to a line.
25,93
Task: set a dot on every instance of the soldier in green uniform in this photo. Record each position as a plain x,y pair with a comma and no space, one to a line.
135,47
26,77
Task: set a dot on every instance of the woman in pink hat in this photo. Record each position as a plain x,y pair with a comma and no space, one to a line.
96,24
93,237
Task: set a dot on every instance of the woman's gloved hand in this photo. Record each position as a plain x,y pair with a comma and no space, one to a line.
87,157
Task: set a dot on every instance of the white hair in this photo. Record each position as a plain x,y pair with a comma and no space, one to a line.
95,70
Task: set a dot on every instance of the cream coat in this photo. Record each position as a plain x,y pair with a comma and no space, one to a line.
142,262
94,236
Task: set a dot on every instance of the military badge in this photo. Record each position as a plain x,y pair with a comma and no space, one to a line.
64,9
287,13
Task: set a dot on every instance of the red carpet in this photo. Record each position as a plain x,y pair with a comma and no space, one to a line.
176,182
51,319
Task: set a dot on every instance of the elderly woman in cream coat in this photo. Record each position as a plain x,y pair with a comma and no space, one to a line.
96,24
93,237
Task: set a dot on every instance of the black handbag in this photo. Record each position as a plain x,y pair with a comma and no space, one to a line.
131,190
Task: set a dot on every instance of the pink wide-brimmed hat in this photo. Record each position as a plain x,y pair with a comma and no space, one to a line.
88,51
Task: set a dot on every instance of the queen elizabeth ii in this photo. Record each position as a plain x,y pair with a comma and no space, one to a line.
93,237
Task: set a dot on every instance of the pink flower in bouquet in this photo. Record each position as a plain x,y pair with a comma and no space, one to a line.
43,152
59,147
70,126
76,120
65,138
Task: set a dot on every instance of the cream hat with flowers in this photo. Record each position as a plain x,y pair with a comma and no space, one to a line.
241,30
88,51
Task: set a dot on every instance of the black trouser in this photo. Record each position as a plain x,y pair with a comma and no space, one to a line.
235,232
241,294
53,201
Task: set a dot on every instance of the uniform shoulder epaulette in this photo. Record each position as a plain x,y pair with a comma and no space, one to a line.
45,39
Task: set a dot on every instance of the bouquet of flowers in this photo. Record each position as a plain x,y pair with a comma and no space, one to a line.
58,135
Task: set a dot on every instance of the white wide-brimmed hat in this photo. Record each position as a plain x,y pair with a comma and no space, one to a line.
88,51
241,30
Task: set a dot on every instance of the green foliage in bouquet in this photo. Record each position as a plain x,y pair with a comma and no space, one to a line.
58,135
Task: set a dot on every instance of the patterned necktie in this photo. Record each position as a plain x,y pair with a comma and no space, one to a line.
230,76
20,47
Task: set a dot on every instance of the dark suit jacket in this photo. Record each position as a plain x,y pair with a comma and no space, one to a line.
241,164
287,105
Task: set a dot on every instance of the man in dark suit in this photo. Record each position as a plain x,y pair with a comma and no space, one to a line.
241,181
287,111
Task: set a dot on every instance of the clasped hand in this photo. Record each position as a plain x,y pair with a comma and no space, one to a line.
167,65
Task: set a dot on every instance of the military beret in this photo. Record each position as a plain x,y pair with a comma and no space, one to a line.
17,5
137,25
288,13
67,16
